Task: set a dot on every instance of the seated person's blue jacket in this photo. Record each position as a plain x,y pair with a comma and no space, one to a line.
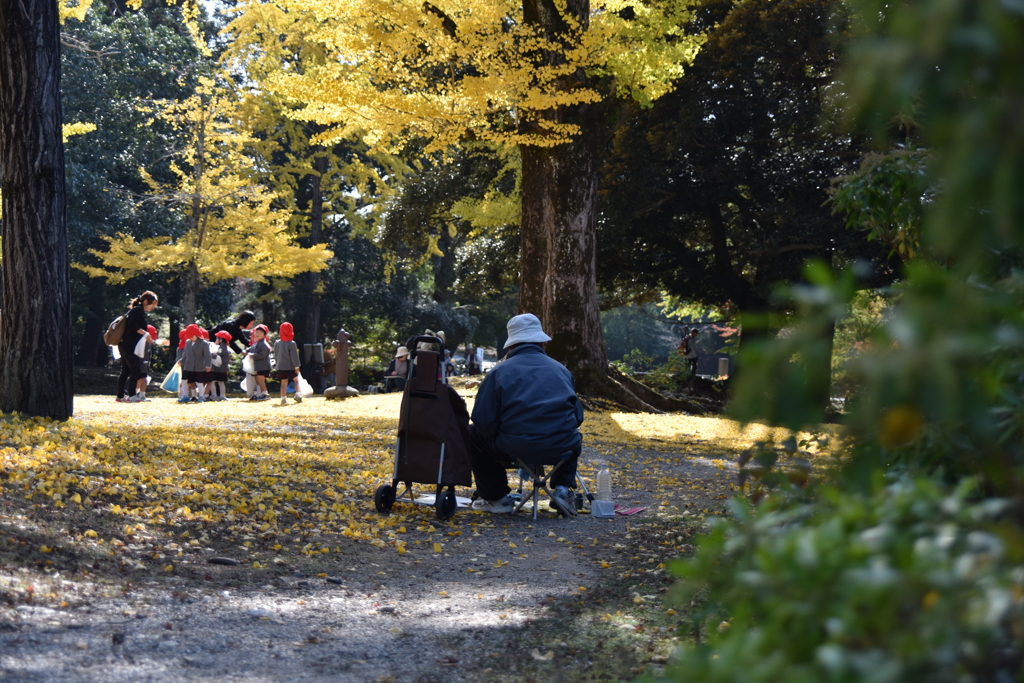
528,405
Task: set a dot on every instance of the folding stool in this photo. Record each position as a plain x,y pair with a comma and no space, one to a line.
539,480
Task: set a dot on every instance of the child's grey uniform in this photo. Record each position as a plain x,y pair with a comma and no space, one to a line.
196,357
286,353
260,352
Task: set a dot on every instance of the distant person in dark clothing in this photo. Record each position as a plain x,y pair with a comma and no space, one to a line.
135,327
238,329
692,352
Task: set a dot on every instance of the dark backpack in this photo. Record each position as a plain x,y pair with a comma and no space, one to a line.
115,331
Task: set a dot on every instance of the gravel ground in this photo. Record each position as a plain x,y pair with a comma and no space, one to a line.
471,613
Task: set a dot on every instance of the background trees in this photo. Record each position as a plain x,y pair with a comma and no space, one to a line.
118,65
231,227
714,192
719,191
531,77
933,439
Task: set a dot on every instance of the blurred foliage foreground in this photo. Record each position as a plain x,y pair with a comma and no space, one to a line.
907,563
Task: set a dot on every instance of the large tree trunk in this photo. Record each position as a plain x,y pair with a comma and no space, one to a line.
35,324
190,294
316,236
558,269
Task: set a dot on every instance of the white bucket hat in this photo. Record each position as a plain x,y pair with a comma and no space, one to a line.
402,351
525,328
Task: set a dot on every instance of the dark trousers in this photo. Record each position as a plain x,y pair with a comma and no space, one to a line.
489,464
129,370
394,384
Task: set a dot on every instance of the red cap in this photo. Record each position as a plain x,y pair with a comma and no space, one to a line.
203,334
191,331
182,338
264,329
152,332
287,332
224,334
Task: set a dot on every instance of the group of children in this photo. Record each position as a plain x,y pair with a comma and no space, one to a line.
205,363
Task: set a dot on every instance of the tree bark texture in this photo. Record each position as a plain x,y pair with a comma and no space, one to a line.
190,294
557,266
316,235
558,233
36,353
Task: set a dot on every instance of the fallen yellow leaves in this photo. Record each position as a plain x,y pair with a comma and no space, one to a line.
270,484
231,464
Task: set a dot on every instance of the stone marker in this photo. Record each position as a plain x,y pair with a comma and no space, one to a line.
341,389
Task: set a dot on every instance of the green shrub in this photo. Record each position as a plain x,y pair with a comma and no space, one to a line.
913,582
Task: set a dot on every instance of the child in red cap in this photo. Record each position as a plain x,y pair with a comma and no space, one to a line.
260,352
221,362
286,354
195,364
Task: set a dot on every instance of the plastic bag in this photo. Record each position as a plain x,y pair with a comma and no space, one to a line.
248,385
140,347
302,386
173,379
248,365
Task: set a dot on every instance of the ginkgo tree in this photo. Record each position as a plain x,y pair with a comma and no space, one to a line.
547,76
326,185
234,225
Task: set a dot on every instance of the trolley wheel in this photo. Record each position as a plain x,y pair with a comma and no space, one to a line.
384,498
445,505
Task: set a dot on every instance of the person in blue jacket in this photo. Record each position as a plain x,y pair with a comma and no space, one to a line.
526,405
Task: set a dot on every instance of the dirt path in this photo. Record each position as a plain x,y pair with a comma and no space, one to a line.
505,600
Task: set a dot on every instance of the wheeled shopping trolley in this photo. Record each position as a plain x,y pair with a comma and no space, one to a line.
433,437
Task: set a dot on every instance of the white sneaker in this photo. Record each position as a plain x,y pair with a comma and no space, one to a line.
284,401
137,398
504,505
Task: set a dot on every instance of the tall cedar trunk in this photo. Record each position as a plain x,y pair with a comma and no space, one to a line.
35,325
820,377
557,266
188,304
316,236
197,224
92,349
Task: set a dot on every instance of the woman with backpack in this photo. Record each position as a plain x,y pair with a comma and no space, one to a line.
135,327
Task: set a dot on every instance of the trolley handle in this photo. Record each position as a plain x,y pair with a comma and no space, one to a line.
413,343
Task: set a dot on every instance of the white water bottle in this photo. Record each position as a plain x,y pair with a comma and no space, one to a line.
604,484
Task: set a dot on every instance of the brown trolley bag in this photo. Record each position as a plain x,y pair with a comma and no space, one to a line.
433,437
